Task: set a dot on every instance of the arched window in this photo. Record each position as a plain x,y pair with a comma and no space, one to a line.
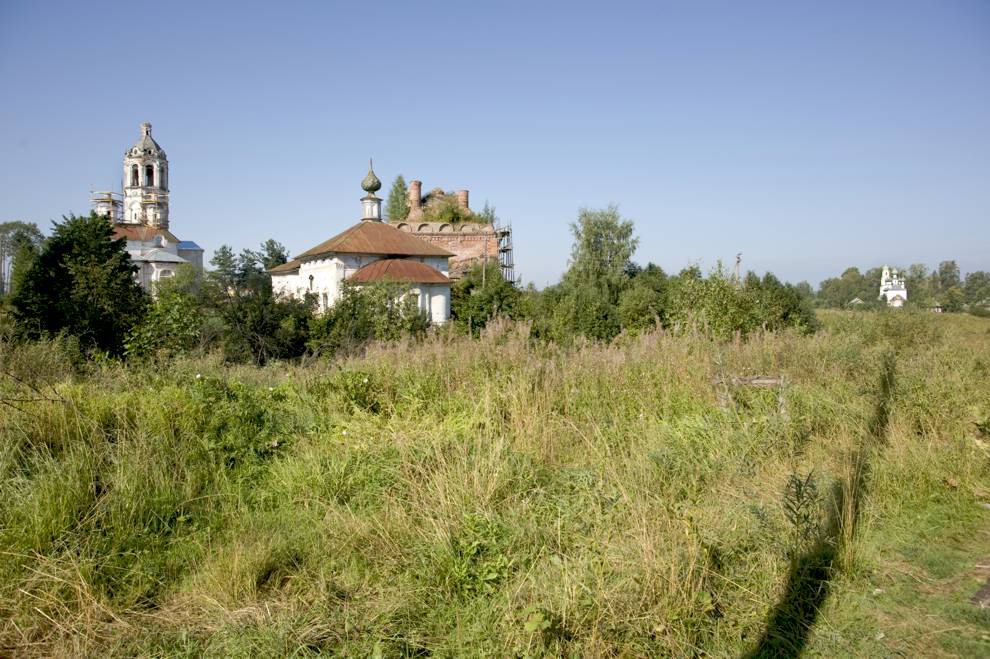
134,176
149,176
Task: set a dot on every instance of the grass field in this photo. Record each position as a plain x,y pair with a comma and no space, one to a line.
507,498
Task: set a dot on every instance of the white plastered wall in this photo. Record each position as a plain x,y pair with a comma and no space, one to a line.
329,271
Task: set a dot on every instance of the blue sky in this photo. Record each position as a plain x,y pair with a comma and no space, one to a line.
808,136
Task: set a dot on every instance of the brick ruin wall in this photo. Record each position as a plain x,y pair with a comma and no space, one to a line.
470,243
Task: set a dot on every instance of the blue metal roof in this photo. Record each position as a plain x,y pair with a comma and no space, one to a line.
188,244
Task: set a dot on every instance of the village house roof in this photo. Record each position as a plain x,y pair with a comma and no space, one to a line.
398,270
375,238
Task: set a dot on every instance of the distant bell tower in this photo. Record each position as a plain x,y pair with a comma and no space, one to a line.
146,182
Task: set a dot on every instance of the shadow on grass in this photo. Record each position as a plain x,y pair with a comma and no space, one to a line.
791,621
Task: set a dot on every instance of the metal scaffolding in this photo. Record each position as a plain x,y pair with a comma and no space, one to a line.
505,258
108,204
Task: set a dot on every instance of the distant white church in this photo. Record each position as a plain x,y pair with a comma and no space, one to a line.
140,214
370,251
892,288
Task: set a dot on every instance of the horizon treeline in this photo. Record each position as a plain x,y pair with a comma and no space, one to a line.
943,287
78,285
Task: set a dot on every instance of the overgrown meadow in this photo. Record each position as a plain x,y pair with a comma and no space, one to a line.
504,496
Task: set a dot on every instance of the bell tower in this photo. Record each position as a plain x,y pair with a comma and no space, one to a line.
146,182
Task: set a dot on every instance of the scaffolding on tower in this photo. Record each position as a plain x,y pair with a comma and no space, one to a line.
505,258
108,204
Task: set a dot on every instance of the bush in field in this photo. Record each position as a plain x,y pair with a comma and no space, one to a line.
639,307
255,324
240,425
778,305
172,324
81,283
641,304
481,295
366,313
715,302
725,308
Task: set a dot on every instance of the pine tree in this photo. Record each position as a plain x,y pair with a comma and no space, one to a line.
397,205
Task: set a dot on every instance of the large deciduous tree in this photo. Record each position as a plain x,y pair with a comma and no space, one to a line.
82,283
590,289
15,238
977,288
950,288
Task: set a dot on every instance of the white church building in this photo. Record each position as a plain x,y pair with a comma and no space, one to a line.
892,288
370,251
140,214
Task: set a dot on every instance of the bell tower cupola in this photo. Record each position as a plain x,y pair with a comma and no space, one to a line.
146,182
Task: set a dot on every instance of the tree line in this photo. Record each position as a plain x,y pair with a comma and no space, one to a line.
942,287
78,284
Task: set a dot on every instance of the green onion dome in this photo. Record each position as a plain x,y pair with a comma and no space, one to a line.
371,184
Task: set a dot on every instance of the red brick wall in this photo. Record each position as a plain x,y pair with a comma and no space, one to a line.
469,249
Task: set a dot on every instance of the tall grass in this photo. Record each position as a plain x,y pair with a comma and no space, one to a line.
486,497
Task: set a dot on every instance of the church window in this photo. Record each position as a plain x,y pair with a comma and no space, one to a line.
134,175
311,282
149,176
325,302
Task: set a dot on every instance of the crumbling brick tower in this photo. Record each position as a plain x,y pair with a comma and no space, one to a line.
470,237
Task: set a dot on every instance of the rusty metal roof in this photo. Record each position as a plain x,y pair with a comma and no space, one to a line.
368,237
291,266
398,270
141,232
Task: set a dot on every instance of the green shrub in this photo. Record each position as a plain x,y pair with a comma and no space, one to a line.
366,313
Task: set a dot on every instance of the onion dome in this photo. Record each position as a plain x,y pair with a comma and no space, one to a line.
146,146
371,184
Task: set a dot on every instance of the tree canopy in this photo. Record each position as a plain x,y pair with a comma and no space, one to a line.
481,295
942,286
18,241
82,283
